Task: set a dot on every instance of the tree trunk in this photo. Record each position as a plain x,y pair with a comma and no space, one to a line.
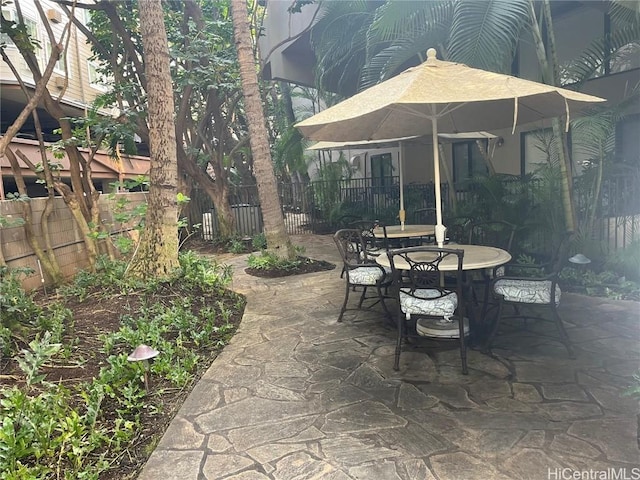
278,241
157,254
218,192
49,263
550,77
487,155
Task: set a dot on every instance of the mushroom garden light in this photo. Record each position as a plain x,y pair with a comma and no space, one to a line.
143,353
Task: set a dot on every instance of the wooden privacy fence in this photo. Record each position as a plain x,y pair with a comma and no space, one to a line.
66,238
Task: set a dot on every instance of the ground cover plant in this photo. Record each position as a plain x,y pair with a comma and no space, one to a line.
266,264
72,406
260,262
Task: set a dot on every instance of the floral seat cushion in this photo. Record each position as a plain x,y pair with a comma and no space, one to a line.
366,275
526,291
428,301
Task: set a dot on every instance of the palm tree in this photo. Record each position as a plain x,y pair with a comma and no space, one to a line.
278,241
480,34
361,43
157,253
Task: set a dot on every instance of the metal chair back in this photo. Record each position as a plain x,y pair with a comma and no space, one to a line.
495,233
350,245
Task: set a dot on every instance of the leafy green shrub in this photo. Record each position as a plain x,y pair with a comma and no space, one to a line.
21,315
267,260
41,431
259,241
16,305
626,261
109,277
604,284
50,431
236,245
198,271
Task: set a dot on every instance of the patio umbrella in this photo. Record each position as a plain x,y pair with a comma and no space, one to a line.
400,142
441,96
374,144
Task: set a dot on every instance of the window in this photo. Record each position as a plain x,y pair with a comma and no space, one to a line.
468,162
32,30
625,58
537,148
96,79
381,170
628,140
83,14
61,64
30,24
8,14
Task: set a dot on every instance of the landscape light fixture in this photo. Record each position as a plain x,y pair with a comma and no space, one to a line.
580,259
143,353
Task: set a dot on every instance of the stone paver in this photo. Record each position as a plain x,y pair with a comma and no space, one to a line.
296,395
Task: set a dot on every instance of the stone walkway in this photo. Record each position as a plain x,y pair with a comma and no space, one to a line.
295,395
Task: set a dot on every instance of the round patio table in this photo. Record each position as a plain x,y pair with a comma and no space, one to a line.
476,257
410,231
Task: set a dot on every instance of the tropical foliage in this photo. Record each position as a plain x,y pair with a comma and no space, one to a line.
89,424
363,43
360,43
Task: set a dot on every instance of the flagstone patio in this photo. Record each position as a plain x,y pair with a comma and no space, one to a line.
296,395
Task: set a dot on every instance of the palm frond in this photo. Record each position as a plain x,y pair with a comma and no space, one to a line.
339,42
625,12
400,35
400,55
485,34
289,151
601,51
398,19
593,135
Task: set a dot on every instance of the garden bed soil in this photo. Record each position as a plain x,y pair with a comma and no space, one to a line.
307,265
100,314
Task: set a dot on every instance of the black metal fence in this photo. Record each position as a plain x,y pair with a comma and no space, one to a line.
321,207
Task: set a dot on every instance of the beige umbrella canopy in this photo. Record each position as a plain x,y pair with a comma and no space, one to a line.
439,96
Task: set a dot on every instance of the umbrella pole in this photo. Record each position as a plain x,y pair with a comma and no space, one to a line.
402,213
439,228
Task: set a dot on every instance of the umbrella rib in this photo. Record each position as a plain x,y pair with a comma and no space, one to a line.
448,108
380,124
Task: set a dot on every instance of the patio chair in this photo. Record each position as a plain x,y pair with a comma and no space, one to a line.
426,307
374,245
424,216
360,270
457,229
531,290
491,233
371,243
